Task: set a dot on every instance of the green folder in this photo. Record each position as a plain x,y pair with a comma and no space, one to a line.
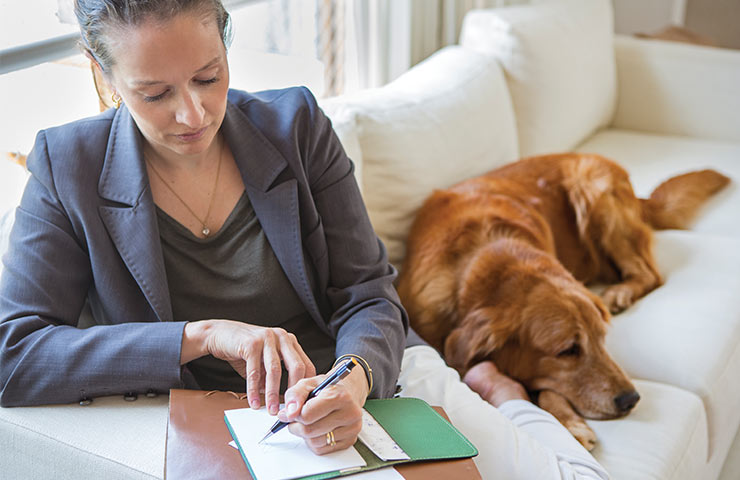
415,426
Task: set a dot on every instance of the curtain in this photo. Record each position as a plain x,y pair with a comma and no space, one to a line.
437,23
387,37
331,41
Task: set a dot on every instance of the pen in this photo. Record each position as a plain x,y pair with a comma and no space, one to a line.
332,379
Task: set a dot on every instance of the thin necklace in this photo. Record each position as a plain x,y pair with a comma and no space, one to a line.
205,231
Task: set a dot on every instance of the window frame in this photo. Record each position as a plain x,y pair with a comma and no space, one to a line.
62,46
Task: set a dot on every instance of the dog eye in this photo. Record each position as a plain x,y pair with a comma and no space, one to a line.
573,351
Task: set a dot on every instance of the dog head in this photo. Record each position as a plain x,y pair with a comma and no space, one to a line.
543,328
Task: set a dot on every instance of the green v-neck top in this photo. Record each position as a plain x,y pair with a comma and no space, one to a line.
234,274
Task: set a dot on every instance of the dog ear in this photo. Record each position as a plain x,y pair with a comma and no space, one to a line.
479,334
585,182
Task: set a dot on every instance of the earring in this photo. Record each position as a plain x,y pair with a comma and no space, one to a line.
116,99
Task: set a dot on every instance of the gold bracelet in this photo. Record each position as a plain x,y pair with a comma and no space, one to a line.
365,366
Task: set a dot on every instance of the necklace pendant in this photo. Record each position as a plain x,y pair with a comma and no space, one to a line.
206,231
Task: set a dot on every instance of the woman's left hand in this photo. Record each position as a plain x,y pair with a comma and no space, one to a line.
330,421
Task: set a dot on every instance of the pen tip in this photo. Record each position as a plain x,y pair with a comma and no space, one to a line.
264,438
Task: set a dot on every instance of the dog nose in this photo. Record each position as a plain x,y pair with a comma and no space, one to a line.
625,401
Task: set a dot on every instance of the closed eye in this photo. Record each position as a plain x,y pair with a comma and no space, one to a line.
209,81
154,98
572,351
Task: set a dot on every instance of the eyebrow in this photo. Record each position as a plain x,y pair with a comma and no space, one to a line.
143,83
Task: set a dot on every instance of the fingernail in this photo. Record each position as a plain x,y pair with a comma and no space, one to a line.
254,403
292,407
273,409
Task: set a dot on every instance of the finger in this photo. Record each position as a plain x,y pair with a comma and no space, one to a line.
254,379
295,397
310,368
240,367
324,449
344,437
273,372
295,359
341,423
335,398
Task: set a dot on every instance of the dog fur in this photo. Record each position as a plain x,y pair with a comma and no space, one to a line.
496,267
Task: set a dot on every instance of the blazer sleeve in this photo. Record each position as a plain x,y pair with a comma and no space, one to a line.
368,319
47,273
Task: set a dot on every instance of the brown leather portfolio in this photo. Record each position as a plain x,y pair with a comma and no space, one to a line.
198,443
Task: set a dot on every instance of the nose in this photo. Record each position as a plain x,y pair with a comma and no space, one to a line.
190,112
625,401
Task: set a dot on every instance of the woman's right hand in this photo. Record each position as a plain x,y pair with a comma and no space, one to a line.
255,352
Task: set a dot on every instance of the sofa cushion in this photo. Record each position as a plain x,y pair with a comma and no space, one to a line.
558,57
731,468
687,332
110,438
652,158
664,437
423,131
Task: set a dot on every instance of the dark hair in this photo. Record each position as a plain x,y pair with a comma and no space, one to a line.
98,17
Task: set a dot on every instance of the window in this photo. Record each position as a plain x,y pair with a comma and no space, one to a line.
45,81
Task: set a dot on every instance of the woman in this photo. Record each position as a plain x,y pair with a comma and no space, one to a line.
195,223
195,235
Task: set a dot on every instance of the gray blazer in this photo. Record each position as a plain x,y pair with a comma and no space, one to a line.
86,235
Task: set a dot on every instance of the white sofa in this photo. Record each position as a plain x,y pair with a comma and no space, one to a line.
525,80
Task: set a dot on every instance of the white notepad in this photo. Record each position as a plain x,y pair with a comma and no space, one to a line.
282,456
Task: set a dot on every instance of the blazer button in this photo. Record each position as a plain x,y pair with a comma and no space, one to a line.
84,402
151,393
130,396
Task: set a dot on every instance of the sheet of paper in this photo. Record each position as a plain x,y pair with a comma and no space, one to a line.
282,456
385,473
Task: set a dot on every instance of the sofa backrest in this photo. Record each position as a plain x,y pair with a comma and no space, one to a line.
674,88
558,57
447,119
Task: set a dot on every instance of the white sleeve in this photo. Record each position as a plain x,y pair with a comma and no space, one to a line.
517,441
573,460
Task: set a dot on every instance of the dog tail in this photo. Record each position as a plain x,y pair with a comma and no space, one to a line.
677,200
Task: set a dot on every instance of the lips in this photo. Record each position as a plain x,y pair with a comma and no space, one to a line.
191,136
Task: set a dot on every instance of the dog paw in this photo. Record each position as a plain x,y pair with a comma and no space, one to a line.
618,298
583,433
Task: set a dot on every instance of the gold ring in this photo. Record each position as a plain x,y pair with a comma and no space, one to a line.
330,439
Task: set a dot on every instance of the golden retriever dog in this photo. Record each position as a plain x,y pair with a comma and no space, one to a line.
496,267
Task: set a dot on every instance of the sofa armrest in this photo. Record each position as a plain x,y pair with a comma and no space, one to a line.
677,89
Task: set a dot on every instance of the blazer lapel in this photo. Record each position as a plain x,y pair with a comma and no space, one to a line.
132,224
276,206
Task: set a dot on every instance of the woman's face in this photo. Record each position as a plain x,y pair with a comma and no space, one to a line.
174,78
